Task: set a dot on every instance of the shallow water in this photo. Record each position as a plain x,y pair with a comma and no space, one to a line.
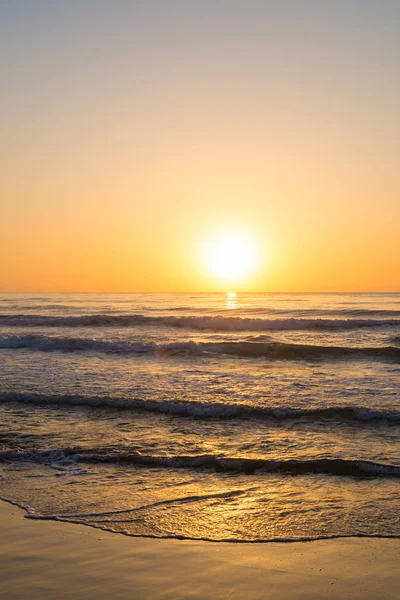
251,417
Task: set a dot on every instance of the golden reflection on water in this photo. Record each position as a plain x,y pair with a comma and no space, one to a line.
231,301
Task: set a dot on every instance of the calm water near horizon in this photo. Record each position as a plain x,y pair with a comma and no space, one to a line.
249,417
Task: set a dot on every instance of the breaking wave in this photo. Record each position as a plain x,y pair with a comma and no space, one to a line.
206,323
241,349
248,466
219,410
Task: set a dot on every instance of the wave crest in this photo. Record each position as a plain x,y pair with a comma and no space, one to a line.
323,466
219,410
240,349
204,323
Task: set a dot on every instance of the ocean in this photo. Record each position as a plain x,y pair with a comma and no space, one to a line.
247,418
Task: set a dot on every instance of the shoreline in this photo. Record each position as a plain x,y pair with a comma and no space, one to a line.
212,541
49,559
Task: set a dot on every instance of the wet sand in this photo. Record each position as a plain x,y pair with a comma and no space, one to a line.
47,559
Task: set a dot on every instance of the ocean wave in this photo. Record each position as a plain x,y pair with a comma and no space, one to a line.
216,410
204,323
365,313
65,457
240,349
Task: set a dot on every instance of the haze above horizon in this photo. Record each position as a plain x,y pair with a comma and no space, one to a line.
213,146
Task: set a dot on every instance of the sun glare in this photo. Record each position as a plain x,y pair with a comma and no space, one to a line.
230,257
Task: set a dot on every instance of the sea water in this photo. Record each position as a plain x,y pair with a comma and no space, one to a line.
250,417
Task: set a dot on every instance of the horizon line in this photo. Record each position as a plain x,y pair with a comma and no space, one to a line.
205,292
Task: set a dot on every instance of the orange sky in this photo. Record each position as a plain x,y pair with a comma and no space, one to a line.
133,133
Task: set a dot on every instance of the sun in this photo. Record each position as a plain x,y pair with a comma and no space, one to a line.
230,256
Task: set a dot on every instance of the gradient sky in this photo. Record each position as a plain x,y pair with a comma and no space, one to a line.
131,132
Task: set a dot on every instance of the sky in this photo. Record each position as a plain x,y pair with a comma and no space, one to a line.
133,132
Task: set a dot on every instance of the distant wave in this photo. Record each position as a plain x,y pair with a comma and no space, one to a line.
210,323
220,410
347,312
241,349
248,466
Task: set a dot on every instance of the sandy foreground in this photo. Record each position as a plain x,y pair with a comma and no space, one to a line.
47,559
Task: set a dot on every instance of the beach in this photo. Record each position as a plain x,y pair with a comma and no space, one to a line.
174,446
47,559
200,300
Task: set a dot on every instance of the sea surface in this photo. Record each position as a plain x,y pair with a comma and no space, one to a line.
250,417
